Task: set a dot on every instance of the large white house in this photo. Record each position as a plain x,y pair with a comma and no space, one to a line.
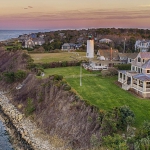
142,45
30,43
105,40
138,78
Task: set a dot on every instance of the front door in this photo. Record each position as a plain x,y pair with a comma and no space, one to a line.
129,80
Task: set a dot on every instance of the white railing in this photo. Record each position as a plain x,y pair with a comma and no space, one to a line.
147,89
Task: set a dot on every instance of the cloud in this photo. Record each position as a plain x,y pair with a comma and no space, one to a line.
144,5
79,15
30,7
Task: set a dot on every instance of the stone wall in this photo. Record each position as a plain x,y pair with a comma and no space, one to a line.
23,128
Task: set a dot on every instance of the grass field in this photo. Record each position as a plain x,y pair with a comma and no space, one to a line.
68,72
104,93
55,57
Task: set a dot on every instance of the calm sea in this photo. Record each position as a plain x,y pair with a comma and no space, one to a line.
4,139
8,34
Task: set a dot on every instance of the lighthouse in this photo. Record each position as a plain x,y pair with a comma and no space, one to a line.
90,48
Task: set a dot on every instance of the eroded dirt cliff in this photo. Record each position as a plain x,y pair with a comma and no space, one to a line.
56,111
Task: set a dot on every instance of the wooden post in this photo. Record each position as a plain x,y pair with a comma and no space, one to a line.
144,86
137,85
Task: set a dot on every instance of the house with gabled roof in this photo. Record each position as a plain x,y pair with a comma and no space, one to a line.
131,57
105,59
127,57
105,54
142,45
138,78
68,46
105,40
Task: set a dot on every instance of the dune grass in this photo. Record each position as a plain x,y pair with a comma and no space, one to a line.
104,93
55,57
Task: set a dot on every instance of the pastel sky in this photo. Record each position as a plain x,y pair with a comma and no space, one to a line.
74,14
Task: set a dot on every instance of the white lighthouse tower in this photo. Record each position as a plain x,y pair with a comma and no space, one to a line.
90,48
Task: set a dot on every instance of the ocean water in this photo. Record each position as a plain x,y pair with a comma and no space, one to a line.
8,34
4,138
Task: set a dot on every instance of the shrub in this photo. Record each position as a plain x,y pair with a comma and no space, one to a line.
25,56
67,87
58,77
126,116
14,76
19,75
123,66
9,76
110,72
45,65
30,107
94,141
115,142
105,73
63,82
39,72
113,71
64,64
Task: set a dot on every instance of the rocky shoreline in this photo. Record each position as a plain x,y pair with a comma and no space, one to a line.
22,128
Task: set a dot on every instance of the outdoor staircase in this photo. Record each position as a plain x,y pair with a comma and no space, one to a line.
125,86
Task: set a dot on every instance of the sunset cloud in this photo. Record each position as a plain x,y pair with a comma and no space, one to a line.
144,5
84,17
30,7
81,15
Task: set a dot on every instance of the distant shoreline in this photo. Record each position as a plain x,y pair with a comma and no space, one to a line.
10,34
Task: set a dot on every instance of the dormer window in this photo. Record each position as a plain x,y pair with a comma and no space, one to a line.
139,59
143,60
148,71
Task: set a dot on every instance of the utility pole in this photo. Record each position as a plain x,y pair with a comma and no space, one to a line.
124,45
111,54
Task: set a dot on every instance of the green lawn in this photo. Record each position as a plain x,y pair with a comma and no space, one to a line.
55,57
104,93
68,72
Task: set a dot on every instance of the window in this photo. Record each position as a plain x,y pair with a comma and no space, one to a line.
133,68
139,70
143,60
124,77
139,59
87,54
141,83
147,84
148,71
120,75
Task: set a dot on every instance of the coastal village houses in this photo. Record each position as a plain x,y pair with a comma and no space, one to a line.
142,45
127,58
31,40
105,59
70,46
105,40
138,78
